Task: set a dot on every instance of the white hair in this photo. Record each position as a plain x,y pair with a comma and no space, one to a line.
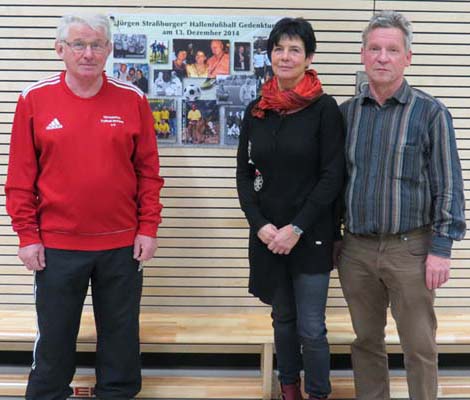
94,21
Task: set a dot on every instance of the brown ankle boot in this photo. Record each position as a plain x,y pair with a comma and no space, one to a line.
291,392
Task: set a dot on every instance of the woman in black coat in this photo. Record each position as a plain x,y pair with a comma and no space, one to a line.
289,174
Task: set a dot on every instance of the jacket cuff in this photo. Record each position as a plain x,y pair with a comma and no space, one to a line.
28,237
148,230
257,222
300,223
441,246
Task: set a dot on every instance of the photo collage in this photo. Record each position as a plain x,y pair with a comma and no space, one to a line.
198,89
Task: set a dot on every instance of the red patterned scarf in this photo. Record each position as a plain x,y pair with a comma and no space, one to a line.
288,101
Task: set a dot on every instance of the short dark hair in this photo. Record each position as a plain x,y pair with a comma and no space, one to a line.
293,27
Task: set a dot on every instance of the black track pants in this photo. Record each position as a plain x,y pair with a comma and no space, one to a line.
60,290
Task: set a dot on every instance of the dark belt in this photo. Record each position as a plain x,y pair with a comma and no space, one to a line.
391,236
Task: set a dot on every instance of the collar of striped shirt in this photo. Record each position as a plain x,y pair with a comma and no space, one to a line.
402,95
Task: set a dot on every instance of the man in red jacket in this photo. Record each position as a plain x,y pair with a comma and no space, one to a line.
83,194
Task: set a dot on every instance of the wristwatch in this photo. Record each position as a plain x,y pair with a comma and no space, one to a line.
297,230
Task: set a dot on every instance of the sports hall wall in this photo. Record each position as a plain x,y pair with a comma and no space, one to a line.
201,264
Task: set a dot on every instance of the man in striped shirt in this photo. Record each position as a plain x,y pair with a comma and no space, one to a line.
404,207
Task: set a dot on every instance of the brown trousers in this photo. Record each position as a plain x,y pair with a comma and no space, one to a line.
376,271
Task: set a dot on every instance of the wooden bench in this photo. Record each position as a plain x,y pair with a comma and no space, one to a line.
18,332
171,330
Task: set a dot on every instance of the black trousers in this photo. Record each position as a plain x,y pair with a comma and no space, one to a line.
60,291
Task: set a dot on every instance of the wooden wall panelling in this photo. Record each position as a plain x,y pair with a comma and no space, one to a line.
201,264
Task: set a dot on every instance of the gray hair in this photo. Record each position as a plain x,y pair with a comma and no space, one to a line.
95,22
389,19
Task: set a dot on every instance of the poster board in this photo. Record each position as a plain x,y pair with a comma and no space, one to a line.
199,72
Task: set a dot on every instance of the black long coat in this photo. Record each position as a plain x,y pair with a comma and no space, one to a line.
290,169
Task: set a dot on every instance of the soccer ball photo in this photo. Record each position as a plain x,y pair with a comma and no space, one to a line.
192,92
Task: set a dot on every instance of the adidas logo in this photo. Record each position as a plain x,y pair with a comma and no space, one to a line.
54,124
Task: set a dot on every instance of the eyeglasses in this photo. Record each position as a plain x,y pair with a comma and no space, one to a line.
79,46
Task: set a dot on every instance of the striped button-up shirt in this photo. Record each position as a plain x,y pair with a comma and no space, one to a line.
403,167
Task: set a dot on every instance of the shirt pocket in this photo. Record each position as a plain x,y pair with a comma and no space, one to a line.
406,163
